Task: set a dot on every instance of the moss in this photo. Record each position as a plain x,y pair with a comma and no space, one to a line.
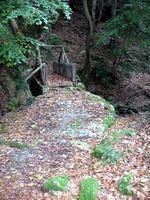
56,183
108,141
2,128
53,89
88,189
76,125
108,121
13,104
80,86
14,144
94,98
28,103
124,185
110,156
70,88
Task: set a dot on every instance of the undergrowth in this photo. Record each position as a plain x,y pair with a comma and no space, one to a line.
107,154
14,144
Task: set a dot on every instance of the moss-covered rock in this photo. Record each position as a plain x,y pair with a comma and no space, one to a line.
88,189
124,185
56,183
14,144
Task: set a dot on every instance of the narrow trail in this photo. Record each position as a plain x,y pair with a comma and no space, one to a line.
63,127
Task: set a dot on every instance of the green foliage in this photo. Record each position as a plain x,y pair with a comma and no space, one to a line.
110,156
28,103
88,189
13,103
124,185
2,128
14,144
94,98
108,141
36,12
15,49
129,28
76,124
55,39
80,86
108,121
56,183
11,52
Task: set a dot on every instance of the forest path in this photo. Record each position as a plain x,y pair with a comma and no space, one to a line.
63,126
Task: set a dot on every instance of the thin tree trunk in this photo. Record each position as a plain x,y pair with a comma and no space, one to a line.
14,27
89,39
101,10
114,8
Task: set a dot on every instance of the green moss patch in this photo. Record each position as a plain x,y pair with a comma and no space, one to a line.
108,121
80,86
110,156
2,128
94,98
108,141
88,189
76,124
14,144
56,183
124,185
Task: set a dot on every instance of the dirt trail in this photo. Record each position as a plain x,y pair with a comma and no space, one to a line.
64,126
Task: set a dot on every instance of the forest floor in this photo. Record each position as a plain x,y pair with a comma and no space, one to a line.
55,123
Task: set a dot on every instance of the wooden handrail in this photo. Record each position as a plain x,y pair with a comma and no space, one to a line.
39,59
34,71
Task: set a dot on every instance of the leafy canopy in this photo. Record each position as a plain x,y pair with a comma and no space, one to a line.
132,22
42,13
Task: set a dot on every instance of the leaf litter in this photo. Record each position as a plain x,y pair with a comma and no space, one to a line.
50,125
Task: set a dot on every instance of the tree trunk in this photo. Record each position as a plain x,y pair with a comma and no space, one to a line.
89,39
114,8
14,27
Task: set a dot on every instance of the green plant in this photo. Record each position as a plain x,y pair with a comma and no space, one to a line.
108,121
15,45
108,141
14,144
13,104
110,156
124,185
2,128
55,39
28,103
94,98
88,189
56,183
127,29
76,124
80,86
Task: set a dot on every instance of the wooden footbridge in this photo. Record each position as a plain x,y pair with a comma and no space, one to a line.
62,67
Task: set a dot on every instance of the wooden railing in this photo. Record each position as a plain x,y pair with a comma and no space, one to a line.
61,67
